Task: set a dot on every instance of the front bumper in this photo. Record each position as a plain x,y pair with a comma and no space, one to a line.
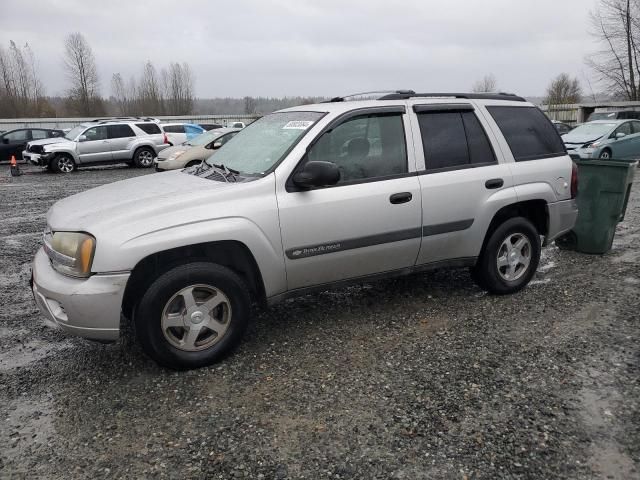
86,307
38,159
562,218
582,153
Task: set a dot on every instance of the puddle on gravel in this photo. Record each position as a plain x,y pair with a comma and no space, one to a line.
28,353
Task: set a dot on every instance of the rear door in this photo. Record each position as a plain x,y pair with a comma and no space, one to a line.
462,182
120,139
94,146
370,221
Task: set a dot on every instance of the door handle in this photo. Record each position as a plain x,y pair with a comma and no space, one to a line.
402,197
494,183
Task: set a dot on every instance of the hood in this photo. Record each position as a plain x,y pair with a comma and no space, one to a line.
49,141
124,205
578,139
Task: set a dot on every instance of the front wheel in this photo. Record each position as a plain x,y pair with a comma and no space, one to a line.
62,164
605,154
192,315
143,158
510,257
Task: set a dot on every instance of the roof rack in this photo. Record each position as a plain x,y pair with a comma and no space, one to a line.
378,94
403,95
115,119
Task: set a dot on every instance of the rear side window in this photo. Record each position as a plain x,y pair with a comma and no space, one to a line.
454,140
530,135
38,134
174,128
120,131
149,128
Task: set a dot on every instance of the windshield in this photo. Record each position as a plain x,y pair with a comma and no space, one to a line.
74,132
590,130
603,116
204,139
261,145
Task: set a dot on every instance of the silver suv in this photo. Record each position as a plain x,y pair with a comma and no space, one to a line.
133,140
304,199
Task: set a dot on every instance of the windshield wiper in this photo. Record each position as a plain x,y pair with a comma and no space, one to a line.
226,171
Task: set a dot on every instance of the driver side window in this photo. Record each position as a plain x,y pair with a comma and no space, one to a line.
364,147
624,128
95,133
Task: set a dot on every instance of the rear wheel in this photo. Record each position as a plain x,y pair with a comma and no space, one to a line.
192,315
510,257
62,163
143,157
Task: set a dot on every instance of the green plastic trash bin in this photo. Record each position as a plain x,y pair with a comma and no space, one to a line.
603,194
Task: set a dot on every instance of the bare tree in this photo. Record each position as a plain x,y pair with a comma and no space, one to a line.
616,25
149,92
488,83
178,89
562,90
80,66
21,92
249,105
120,94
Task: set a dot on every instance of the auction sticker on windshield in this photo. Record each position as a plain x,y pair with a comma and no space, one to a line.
298,125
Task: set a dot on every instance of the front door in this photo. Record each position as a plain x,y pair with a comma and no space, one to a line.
94,147
13,143
370,221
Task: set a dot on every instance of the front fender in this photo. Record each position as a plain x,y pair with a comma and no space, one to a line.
52,151
265,247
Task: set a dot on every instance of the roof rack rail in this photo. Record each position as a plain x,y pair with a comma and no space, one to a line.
472,96
115,119
370,94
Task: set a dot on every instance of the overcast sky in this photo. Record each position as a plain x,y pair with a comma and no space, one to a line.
298,47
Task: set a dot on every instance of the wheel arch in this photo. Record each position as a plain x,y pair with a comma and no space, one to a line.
232,254
535,210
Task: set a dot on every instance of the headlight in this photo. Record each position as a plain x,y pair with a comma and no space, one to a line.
71,253
175,155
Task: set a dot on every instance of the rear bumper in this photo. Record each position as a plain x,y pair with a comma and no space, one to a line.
86,307
562,218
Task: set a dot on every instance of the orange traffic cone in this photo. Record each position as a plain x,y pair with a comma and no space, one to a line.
15,169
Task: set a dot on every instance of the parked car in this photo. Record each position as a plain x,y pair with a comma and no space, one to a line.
135,142
14,141
194,151
561,127
210,126
178,133
614,115
605,139
236,125
304,199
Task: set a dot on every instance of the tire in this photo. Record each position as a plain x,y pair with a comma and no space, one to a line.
62,163
143,157
506,279
164,320
605,154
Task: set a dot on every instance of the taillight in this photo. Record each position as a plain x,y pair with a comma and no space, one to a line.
165,139
574,180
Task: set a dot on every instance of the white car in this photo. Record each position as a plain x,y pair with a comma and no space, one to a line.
178,133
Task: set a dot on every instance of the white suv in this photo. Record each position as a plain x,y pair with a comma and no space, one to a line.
304,199
133,140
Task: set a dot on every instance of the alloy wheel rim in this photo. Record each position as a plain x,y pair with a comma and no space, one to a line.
514,257
65,165
196,318
145,158
604,154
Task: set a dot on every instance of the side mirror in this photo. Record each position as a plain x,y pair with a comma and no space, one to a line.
82,138
317,174
620,134
5,140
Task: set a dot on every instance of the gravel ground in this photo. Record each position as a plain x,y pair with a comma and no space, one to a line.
414,378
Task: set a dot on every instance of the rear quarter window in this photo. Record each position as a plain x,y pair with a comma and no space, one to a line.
173,128
149,128
530,135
